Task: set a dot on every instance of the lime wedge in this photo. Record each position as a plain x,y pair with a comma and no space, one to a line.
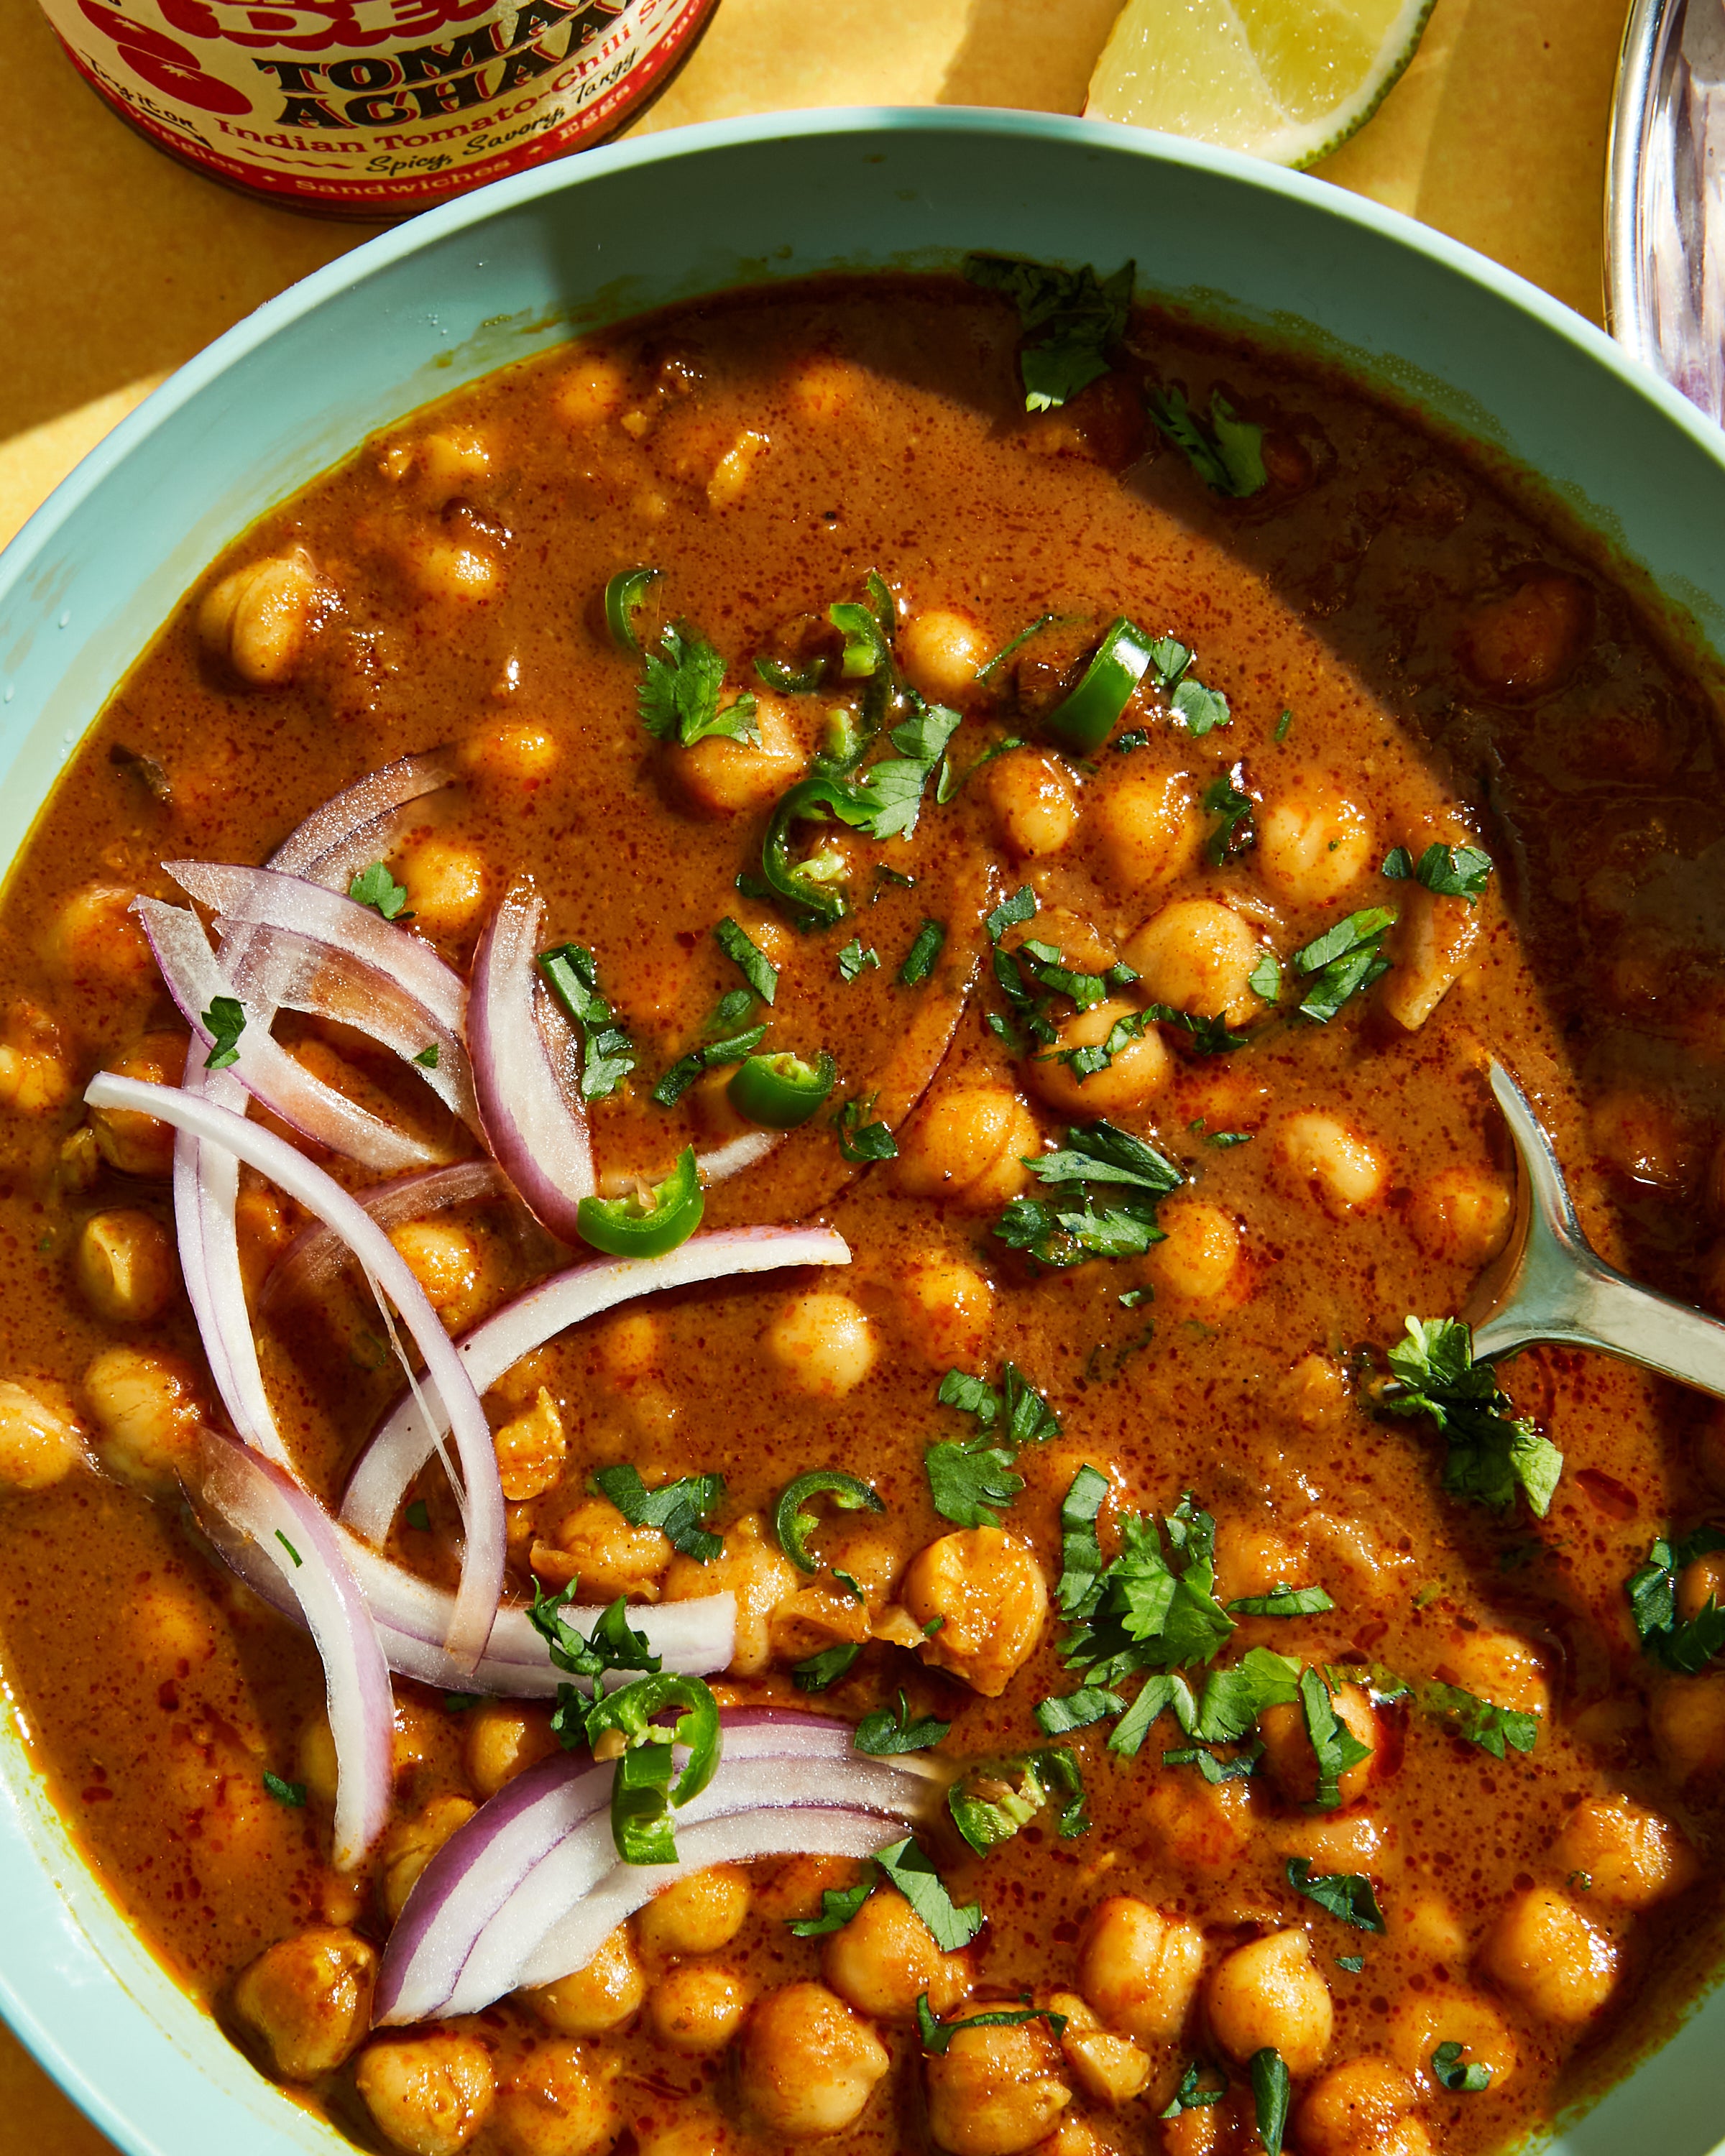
1285,79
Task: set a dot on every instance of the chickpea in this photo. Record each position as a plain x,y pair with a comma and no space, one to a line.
941,650
1463,1214
1641,1138
1034,801
603,1996
446,882
257,620
1686,1716
412,1843
34,1078
505,1737
950,1310
826,385
1431,1928
442,1257
1313,844
148,1417
1364,2109
725,778
1335,1842
1700,1583
315,1760
757,1573
40,1439
1200,1826
1139,1969
138,1144
451,571
1314,1392
1136,1071
1200,1258
1150,829
308,2000
1500,1666
809,2064
995,2092
446,464
987,1589
1629,1856
594,1543
966,1145
696,1915
1548,1956
1108,2069
591,391
1074,2135
1270,1993
1424,2019
1198,957
823,1343
513,755
170,1629
886,1956
554,2104
1287,1745
1523,643
428,2095
631,1347
530,1451
126,1267
1323,1156
98,942
814,1617
697,2006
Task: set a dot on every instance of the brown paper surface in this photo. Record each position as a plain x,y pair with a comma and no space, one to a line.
116,265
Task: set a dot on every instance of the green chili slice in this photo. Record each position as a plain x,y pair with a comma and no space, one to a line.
632,1227
794,1526
642,1793
792,681
800,882
1084,720
624,595
780,1092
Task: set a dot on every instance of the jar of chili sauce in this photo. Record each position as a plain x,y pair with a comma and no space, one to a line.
374,108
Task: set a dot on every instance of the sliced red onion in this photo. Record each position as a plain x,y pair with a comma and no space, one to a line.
799,1830
403,1445
522,1048
481,1492
747,1150
528,1858
294,1539
346,825
693,1638
195,979
315,1255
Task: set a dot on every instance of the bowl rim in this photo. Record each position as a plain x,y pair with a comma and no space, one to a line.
100,2096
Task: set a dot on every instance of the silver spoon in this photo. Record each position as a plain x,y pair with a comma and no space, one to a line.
1550,1284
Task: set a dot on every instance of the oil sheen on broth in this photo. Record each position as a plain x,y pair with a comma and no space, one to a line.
1519,1839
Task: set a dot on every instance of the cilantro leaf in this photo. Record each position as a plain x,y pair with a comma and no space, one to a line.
1227,456
676,1509
757,969
819,1672
1449,2072
1071,1229
291,1795
679,695
1264,979
1344,1894
1023,1415
886,800
967,1482
937,2036
1449,871
607,1053
428,1056
1068,319
1234,832
1342,963
1335,1745
882,1736
860,1141
224,1022
914,1875
1011,912
612,1644
1493,1452
1201,709
1491,1728
920,959
1283,1602
853,959
375,887
1081,1565
1686,1647
1271,2094
989,1803
1191,2096
1076,1710
838,1906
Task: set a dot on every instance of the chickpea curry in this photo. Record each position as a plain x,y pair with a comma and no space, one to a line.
809,1473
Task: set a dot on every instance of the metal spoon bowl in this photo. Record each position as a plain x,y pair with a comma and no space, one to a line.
1549,1284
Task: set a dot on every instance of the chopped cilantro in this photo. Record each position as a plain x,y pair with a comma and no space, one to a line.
1210,1036
1335,1746
1264,979
612,1644
1223,1139
1342,963
853,959
1491,1728
224,1022
882,1735
861,1141
1283,1602
289,1547
920,959
607,1054
1078,1710
1007,650
1235,833
1353,1963
757,969
886,800
1011,912
1686,1647
991,1802
1493,1452
1228,455
936,2036
1191,2095
375,887
1284,725
1448,2071
914,1875
1107,1186
1024,1414
290,1793
1134,737
838,1906
1450,871
1271,2094
418,1515
1344,1894
820,1671
679,695
676,1509
1069,318
427,1057
969,1479
1201,709
1081,1562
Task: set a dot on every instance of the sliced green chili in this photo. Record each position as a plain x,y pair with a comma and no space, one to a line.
632,1227
780,1092
1085,719
624,595
794,1526
643,1794
801,882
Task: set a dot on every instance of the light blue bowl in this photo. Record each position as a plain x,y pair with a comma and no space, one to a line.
504,272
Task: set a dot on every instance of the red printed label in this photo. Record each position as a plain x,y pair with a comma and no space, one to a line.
374,108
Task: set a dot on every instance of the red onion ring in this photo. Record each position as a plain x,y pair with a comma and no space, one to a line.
482,1492
522,1049
316,1254
403,1445
745,1150
297,1544
347,824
